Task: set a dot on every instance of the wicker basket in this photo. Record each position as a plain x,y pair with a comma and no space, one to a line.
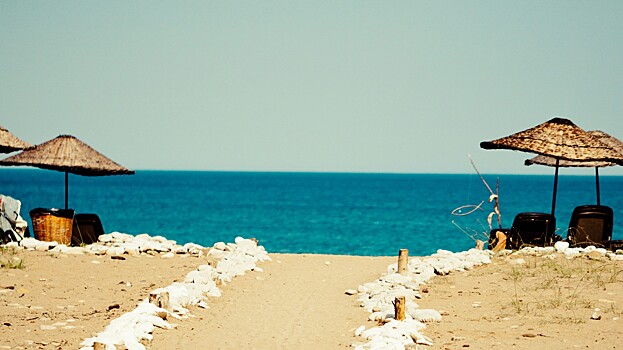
52,224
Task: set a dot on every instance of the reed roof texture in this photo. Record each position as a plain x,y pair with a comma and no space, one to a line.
9,142
69,154
558,138
609,140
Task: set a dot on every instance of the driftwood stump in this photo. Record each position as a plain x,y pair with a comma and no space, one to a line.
403,261
399,308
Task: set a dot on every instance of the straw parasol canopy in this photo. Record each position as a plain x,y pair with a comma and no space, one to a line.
561,139
609,140
603,137
558,138
10,143
70,155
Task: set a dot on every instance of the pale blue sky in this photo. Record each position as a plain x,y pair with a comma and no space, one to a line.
354,86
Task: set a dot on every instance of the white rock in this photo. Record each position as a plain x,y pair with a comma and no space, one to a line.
132,248
426,315
119,237
617,257
160,239
29,243
190,246
42,247
61,248
105,238
96,249
201,276
115,251
561,246
13,245
220,245
217,253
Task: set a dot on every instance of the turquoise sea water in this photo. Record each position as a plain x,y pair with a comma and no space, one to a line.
355,214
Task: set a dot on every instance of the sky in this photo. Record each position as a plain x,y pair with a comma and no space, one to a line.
328,86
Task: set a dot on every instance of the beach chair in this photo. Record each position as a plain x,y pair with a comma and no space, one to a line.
13,228
87,228
532,229
591,225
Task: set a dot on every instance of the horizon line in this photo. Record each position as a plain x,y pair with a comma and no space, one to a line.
322,172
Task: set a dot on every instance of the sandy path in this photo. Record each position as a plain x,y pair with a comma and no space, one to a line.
292,304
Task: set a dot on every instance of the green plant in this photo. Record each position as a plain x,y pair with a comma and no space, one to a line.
9,260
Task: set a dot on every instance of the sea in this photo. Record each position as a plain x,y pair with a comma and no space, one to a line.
323,213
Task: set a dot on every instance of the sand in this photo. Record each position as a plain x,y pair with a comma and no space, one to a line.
540,304
297,302
57,300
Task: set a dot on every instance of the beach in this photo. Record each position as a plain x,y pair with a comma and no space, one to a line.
521,301
299,175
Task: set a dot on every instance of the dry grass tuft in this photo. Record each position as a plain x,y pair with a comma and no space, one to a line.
557,288
9,259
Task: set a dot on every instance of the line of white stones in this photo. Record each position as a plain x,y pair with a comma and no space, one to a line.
377,297
234,259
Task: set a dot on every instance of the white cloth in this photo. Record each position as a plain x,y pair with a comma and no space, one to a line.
12,224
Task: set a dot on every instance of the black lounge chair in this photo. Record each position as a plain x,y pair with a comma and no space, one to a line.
591,225
532,229
87,228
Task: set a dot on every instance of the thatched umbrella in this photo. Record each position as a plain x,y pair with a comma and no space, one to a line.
603,137
561,139
70,155
10,143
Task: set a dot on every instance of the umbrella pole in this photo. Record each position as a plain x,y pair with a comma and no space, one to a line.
597,185
66,188
555,187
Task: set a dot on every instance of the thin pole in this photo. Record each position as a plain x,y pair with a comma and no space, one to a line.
66,189
555,187
597,185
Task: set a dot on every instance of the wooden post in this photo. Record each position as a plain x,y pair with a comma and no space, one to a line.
99,346
403,261
399,308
